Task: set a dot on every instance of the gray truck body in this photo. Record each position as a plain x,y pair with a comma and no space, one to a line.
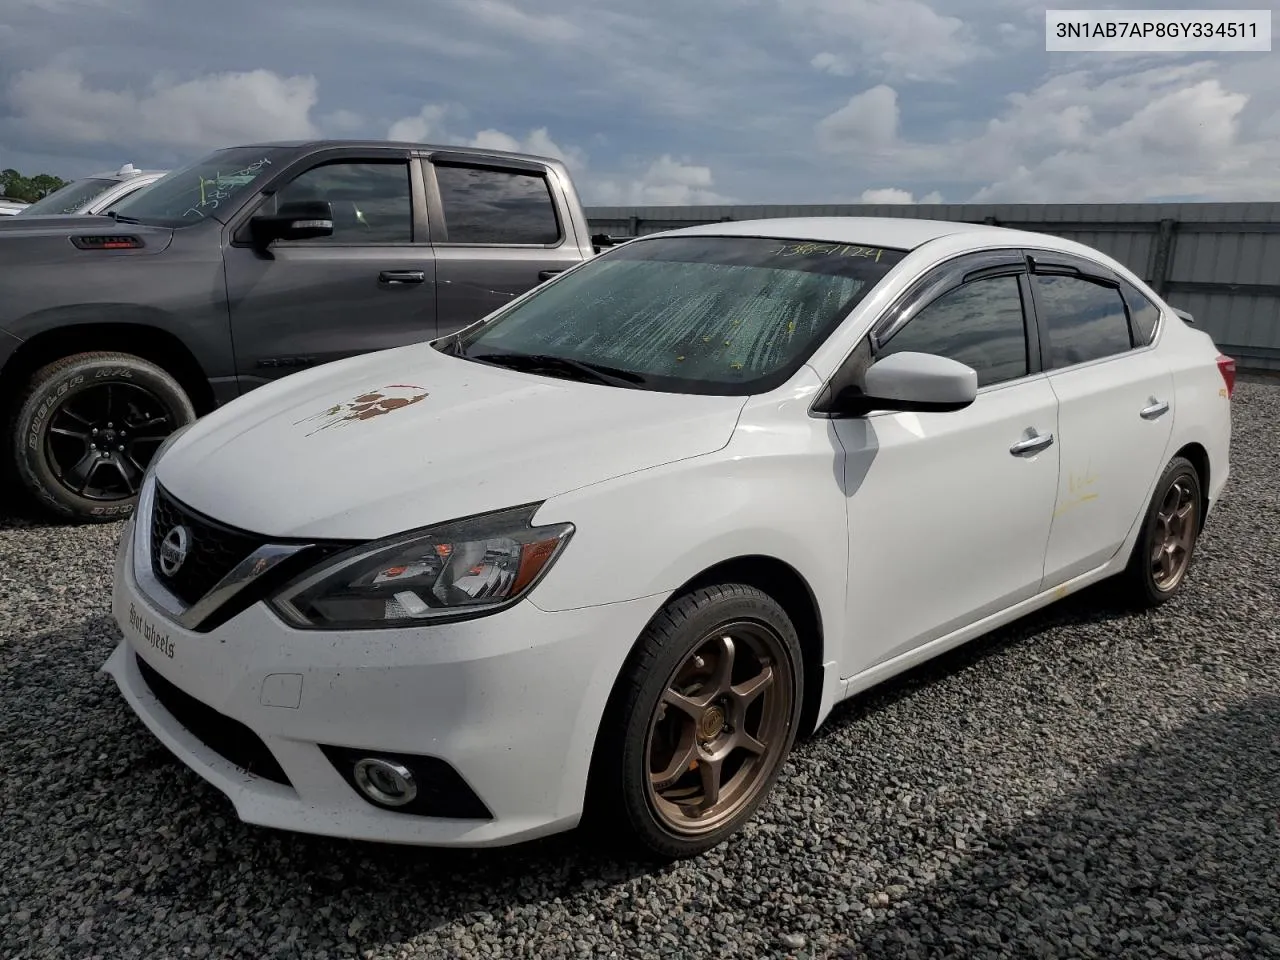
247,315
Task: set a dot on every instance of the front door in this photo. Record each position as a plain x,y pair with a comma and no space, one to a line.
949,513
369,286
1115,416
496,236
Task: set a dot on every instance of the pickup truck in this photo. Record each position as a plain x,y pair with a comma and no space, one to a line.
247,265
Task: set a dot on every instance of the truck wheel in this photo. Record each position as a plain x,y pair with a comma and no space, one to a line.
86,428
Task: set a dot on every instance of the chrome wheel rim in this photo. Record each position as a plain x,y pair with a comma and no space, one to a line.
1174,535
719,728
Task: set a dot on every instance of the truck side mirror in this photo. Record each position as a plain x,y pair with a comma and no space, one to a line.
298,220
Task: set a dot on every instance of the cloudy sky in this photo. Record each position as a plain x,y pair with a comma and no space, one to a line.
653,101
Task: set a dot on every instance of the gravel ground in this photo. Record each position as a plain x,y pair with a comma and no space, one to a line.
1084,783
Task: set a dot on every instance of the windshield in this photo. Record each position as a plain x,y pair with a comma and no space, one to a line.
202,189
717,315
67,199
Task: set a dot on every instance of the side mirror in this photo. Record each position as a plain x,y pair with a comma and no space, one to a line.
300,220
908,382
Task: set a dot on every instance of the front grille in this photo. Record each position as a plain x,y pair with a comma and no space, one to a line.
230,739
213,549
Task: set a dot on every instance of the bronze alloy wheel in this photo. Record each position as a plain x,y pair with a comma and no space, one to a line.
1177,520
1162,554
721,727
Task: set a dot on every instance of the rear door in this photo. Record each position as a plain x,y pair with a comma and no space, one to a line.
369,286
497,231
1115,409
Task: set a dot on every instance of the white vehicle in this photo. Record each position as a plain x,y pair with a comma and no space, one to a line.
604,554
9,207
95,195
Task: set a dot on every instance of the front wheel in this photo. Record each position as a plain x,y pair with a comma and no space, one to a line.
88,426
701,723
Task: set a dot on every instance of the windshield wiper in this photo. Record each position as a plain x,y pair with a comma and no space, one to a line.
594,372
120,218
452,346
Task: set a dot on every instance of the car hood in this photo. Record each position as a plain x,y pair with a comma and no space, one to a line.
55,230
376,444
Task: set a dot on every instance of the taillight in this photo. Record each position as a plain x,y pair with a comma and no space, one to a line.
1227,367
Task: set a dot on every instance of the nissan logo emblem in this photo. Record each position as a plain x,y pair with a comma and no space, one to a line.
173,550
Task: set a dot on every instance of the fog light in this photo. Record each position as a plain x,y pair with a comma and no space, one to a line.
384,782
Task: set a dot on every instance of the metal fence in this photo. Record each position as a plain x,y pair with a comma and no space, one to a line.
1220,261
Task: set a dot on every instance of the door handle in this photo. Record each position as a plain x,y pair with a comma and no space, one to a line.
402,276
1157,409
1031,444
548,274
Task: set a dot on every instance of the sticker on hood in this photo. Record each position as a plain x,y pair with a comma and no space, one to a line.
370,404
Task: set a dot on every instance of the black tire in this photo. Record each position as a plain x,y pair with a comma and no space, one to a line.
621,806
45,454
1141,585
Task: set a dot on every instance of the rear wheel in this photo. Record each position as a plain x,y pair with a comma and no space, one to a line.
1162,554
86,429
701,723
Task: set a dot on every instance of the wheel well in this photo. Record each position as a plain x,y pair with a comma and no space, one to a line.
782,582
1199,458
150,343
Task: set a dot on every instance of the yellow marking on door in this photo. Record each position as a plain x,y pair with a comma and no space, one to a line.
1076,487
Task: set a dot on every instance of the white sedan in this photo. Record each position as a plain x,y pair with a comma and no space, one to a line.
603,555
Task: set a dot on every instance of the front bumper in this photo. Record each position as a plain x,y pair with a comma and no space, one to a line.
511,702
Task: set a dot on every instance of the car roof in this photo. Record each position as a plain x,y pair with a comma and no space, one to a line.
903,233
119,174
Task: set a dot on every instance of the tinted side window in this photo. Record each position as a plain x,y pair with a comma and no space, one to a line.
1085,320
371,201
496,206
979,324
1144,313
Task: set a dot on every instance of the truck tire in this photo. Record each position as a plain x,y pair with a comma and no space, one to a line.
87,426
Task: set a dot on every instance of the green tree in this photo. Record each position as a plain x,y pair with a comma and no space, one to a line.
17,187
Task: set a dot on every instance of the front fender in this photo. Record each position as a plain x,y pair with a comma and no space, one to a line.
8,344
647,533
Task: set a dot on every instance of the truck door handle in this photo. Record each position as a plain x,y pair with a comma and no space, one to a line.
402,276
1157,409
548,274
1031,444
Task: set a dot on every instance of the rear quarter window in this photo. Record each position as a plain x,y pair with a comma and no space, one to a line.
1144,314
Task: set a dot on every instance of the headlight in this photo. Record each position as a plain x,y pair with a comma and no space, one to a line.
459,569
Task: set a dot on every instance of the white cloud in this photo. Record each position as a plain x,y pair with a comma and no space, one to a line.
896,39
897,195
507,17
538,142
830,63
868,120
666,181
1079,137
208,111
424,126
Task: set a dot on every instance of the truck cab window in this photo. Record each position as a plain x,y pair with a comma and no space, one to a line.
483,205
371,201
